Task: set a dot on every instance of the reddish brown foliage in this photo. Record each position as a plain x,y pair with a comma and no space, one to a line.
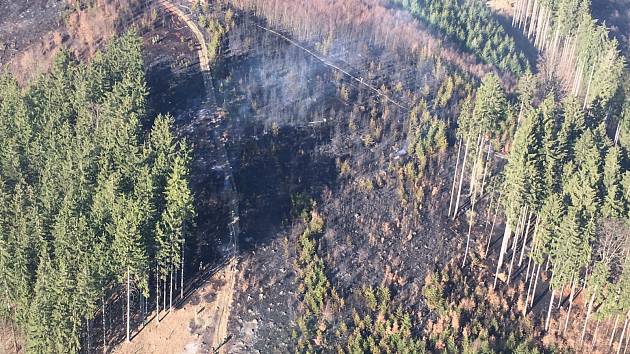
368,20
83,33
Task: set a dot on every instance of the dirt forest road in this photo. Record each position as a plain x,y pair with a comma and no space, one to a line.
222,308
200,327
204,60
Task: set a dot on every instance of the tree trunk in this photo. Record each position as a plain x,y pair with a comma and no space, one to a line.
625,348
563,54
529,265
489,211
549,311
547,264
612,335
519,227
523,15
494,220
534,20
515,243
528,11
539,28
164,292
588,314
128,294
545,39
545,34
181,278
530,17
461,180
506,239
473,200
15,342
534,245
539,25
87,323
566,322
104,339
588,87
560,295
554,49
594,341
580,79
571,63
617,132
529,220
529,288
157,294
509,278
470,224
472,186
485,168
535,285
576,78
623,332
170,295
516,8
459,150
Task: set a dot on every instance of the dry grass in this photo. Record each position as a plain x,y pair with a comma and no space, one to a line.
175,332
83,33
366,19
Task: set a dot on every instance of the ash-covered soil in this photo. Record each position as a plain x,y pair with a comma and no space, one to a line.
176,87
297,128
295,122
33,31
24,22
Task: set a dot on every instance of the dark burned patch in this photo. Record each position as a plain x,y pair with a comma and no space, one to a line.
176,87
173,75
293,123
266,300
274,169
373,239
24,22
195,299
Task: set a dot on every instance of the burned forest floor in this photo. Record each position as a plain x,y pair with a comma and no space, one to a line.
331,148
306,134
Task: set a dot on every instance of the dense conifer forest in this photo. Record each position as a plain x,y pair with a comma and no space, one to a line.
322,176
95,202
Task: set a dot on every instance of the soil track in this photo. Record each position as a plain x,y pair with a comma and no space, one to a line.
221,310
204,61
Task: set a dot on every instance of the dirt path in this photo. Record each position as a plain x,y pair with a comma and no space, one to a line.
201,324
204,60
226,294
222,308
183,329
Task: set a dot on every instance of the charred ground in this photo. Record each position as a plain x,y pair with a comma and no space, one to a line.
303,136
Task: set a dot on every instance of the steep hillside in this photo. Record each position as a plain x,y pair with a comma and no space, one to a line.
348,176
